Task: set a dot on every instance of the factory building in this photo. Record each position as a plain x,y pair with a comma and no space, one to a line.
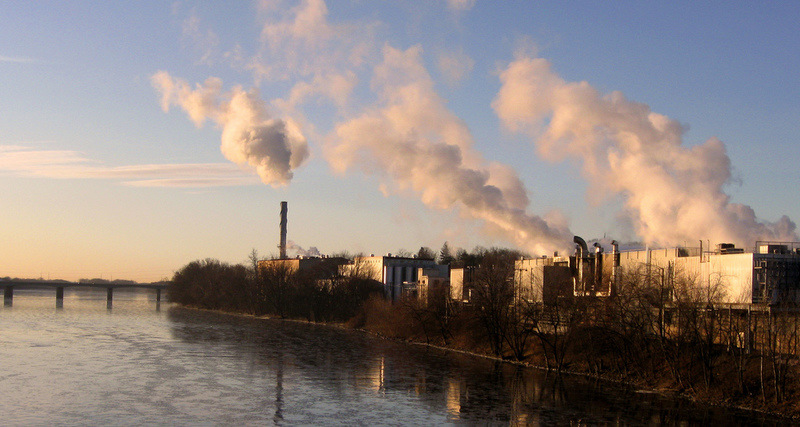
544,279
394,272
584,274
432,283
461,284
770,274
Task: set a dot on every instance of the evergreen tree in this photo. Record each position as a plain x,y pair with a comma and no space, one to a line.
445,256
426,253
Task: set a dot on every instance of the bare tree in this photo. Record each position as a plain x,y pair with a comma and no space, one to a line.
403,253
275,286
493,282
555,327
697,304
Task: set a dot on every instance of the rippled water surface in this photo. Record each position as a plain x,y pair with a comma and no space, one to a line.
143,363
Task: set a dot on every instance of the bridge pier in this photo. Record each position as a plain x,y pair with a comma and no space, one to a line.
8,296
60,297
109,298
158,295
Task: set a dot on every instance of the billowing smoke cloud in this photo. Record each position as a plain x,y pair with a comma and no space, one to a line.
295,248
274,148
672,192
418,144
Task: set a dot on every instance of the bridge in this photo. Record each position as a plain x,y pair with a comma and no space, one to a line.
59,285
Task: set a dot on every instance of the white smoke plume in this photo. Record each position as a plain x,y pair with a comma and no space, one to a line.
310,252
413,140
300,41
250,137
672,192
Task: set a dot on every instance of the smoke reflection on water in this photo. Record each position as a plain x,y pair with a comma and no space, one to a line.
132,365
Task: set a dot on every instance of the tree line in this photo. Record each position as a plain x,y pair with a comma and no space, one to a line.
676,336
322,294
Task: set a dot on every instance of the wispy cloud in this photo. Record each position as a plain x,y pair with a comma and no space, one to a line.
455,66
65,164
460,5
194,182
204,40
17,59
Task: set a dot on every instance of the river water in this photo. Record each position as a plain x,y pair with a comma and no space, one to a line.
146,363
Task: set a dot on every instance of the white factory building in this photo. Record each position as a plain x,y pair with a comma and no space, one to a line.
398,273
770,273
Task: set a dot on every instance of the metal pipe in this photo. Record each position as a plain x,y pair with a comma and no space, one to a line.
598,268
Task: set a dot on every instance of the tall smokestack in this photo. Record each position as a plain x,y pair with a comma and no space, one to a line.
580,260
282,246
615,268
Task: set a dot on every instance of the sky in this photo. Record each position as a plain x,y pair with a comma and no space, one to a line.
136,137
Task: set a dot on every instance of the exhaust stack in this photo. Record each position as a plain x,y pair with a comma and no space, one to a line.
581,259
282,246
615,268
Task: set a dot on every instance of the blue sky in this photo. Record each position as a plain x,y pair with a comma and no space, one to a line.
387,126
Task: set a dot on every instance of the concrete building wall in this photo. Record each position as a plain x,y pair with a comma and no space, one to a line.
730,274
734,273
433,282
457,284
631,260
393,272
529,278
770,275
543,279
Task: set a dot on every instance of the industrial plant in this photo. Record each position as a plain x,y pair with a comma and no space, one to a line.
732,277
769,275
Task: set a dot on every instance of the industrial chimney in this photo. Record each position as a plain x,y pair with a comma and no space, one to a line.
282,246
581,259
615,266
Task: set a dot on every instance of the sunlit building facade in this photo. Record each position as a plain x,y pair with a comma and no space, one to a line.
770,274
394,272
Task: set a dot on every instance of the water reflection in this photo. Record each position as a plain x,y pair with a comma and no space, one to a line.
342,368
84,365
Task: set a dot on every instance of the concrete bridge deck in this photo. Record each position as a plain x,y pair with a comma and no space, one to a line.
59,285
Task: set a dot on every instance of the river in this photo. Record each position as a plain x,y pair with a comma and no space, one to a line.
146,363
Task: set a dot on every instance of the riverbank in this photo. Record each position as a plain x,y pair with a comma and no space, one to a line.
726,377
662,386
699,353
